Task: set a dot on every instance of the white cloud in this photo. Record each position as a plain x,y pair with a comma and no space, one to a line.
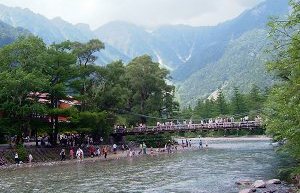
142,12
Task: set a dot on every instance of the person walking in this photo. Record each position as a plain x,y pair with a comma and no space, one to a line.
141,149
62,155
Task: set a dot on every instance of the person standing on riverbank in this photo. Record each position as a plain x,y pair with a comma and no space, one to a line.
200,144
98,152
17,158
71,153
105,152
130,152
169,147
115,148
144,148
30,158
79,154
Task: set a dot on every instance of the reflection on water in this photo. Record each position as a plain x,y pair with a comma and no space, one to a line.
213,170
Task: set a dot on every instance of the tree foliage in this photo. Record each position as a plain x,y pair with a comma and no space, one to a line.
239,105
282,109
149,92
107,94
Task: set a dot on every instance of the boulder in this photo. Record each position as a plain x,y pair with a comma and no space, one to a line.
244,182
259,184
274,181
250,190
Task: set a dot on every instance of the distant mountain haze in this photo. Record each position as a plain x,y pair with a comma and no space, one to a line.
201,59
9,34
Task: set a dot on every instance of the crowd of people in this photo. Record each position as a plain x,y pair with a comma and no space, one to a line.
211,122
97,151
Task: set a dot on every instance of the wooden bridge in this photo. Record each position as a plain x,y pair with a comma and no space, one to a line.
248,125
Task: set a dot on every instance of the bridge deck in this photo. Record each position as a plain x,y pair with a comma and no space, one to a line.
189,127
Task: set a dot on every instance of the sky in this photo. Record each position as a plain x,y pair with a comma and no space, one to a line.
148,13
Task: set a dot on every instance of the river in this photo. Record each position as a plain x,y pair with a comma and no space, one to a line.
214,170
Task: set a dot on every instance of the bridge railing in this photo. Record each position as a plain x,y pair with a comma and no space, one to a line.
185,127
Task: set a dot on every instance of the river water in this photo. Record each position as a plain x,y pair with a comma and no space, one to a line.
213,170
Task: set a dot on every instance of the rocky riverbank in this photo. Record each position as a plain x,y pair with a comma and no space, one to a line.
111,156
265,186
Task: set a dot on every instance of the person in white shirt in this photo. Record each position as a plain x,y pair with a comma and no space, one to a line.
30,158
17,158
115,148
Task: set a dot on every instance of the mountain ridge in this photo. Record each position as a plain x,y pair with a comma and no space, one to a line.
9,34
186,51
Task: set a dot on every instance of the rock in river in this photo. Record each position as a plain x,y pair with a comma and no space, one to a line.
274,181
259,184
245,182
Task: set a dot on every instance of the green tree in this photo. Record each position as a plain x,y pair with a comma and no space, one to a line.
85,52
89,76
114,93
186,113
26,53
21,74
60,68
222,106
238,103
149,93
18,108
198,109
255,98
282,109
206,109
95,123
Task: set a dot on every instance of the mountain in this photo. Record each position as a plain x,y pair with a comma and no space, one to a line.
204,59
242,65
72,32
201,59
185,49
133,41
211,45
55,30
171,46
8,34
35,23
239,59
